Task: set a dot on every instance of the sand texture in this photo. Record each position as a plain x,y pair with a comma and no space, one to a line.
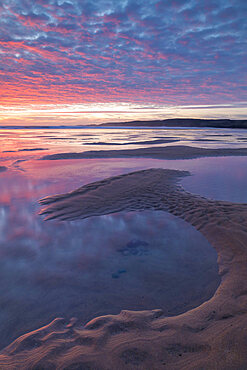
169,152
211,336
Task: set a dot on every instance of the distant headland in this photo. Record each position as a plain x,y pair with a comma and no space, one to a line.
172,122
183,122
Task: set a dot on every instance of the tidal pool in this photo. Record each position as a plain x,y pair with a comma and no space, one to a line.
96,266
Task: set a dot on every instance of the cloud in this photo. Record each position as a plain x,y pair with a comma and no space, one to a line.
179,52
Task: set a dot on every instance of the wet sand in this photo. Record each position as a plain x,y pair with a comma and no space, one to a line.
145,142
168,152
24,150
211,336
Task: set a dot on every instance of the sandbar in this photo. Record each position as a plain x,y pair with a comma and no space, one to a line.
167,152
145,142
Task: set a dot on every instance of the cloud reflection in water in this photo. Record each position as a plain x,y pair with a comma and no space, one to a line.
96,266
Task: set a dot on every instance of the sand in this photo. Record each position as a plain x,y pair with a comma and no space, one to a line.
3,168
211,336
145,142
24,150
168,152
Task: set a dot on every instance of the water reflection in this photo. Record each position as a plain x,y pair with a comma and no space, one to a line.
93,267
222,178
32,143
219,178
103,264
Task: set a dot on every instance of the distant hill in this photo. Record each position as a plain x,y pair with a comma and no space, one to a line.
183,122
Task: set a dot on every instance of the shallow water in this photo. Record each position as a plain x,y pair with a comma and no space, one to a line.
103,264
19,143
219,178
216,178
223,178
97,266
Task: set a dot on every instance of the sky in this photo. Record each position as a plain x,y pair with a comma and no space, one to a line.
87,61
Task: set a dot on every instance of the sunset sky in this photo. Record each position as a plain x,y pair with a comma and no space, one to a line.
88,61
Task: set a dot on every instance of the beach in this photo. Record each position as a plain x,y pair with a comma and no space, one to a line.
123,202
208,336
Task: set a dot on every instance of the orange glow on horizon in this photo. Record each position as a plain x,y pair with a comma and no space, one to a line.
84,114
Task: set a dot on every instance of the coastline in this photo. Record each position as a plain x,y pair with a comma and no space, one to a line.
201,338
151,123
183,123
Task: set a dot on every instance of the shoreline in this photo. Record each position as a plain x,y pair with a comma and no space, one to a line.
191,123
182,123
166,152
204,337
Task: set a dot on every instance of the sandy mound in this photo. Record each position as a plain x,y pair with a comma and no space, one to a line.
211,336
3,168
168,152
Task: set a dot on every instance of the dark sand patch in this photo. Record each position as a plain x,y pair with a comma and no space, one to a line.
158,141
31,149
211,336
3,168
206,140
168,137
17,162
86,134
24,150
62,138
220,135
169,152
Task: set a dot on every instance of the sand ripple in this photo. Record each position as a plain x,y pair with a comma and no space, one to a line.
211,336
